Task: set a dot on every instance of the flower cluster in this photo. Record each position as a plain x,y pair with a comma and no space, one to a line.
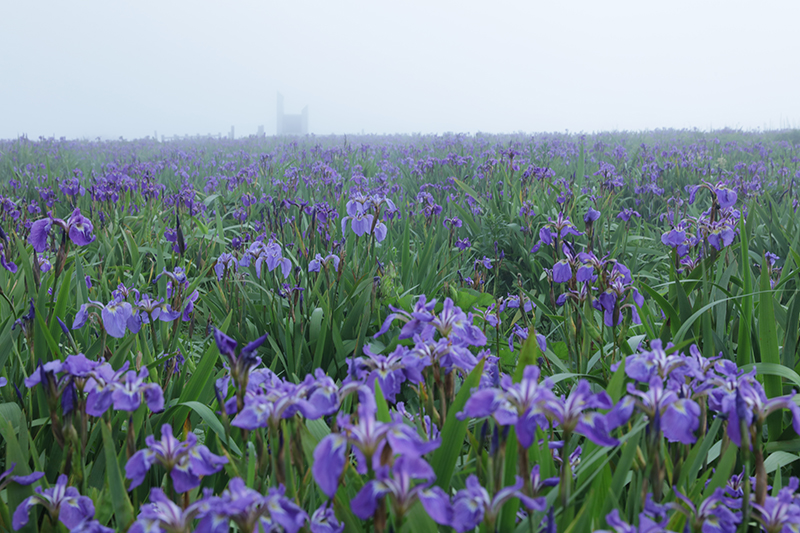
185,461
77,227
96,385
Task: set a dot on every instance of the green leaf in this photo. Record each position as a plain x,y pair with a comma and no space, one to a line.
44,333
723,471
454,431
15,453
623,468
528,356
665,306
744,350
123,510
383,408
768,342
61,304
772,369
699,454
214,424
777,460
508,514
418,520
200,380
615,387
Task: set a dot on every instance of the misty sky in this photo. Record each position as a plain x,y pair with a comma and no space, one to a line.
130,68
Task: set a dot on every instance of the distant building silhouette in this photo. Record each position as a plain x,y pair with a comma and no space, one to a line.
291,124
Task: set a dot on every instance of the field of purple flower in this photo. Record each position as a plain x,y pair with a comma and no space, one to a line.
407,333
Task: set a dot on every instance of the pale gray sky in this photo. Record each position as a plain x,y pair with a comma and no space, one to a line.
129,68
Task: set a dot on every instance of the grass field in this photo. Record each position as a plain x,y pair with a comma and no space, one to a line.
401,333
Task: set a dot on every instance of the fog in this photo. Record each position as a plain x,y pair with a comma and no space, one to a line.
130,69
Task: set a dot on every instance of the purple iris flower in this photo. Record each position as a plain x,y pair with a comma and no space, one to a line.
118,315
101,385
317,395
269,399
80,228
26,320
452,223
30,479
572,413
711,515
546,237
252,511
45,373
360,223
62,502
79,366
627,213
225,262
562,271
646,524
390,370
590,266
679,417
563,226
591,216
644,365
522,333
778,513
177,278
490,315
188,305
148,308
457,325
8,265
330,457
380,231
538,483
414,322
271,254
721,237
162,515
44,264
128,392
124,388
185,461
463,244
324,521
267,406
674,238
77,227
771,258
40,230
619,295
368,436
473,505
523,404
316,264
396,482
115,316
748,403
512,301
726,197
241,364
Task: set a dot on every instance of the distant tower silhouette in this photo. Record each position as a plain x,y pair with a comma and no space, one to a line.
291,124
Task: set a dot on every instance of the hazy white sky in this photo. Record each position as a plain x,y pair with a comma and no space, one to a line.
129,68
